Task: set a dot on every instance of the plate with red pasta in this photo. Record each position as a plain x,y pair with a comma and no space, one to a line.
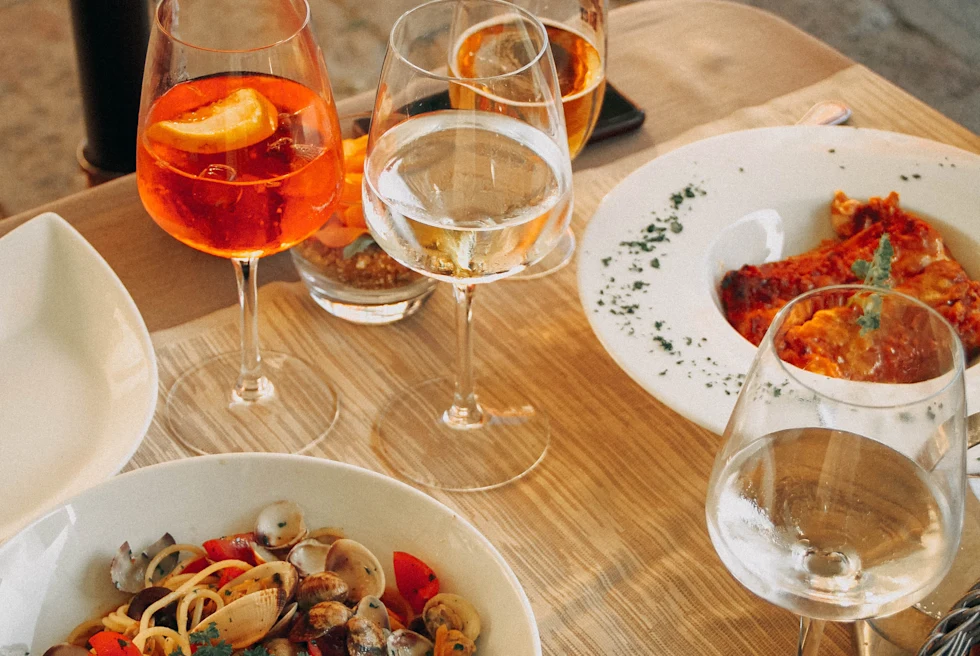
258,555
686,262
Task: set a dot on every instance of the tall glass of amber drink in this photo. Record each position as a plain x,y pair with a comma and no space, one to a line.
239,155
577,39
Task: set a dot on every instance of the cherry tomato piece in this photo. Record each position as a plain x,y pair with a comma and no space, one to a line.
228,574
233,547
110,643
196,566
415,580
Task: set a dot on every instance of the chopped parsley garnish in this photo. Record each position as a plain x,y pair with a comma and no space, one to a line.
655,263
206,636
665,343
876,274
606,261
220,649
257,650
204,641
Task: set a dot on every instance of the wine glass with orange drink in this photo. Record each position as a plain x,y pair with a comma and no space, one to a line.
239,155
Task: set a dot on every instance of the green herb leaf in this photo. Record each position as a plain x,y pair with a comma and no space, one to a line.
257,650
876,274
871,318
206,636
220,649
359,245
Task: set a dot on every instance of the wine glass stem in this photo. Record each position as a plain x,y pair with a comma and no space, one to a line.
465,411
251,385
810,633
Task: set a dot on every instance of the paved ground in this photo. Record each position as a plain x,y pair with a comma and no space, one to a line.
929,47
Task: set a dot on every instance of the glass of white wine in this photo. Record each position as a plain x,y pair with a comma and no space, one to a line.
467,180
839,491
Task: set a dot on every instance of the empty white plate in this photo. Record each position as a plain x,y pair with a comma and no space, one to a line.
78,376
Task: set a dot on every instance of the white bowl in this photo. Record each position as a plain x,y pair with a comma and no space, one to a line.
55,573
77,369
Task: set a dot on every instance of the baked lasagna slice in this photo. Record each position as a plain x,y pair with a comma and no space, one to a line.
921,267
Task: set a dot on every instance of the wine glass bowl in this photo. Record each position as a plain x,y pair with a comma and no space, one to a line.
467,180
577,36
838,493
239,156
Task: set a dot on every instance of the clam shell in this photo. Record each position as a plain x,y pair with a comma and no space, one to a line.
280,525
325,617
127,571
321,586
281,647
277,574
408,643
309,557
358,567
245,621
453,611
372,608
281,627
263,555
327,535
365,638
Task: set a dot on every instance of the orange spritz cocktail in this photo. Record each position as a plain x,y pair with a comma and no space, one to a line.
240,166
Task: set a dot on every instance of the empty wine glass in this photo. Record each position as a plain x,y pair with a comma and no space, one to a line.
467,180
239,155
839,491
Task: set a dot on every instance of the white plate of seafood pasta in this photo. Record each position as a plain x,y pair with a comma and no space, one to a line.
309,552
77,369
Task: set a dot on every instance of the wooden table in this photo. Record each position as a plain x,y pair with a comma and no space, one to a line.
608,534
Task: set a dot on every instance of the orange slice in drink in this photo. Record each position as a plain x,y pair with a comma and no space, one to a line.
354,152
336,235
239,120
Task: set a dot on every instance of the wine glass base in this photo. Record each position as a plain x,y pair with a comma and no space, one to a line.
421,446
556,259
206,416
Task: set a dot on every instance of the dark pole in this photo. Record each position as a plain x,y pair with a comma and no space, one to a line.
110,45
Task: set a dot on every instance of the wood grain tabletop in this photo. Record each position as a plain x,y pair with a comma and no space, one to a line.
608,534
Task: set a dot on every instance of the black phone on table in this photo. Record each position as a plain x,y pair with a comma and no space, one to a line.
618,115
